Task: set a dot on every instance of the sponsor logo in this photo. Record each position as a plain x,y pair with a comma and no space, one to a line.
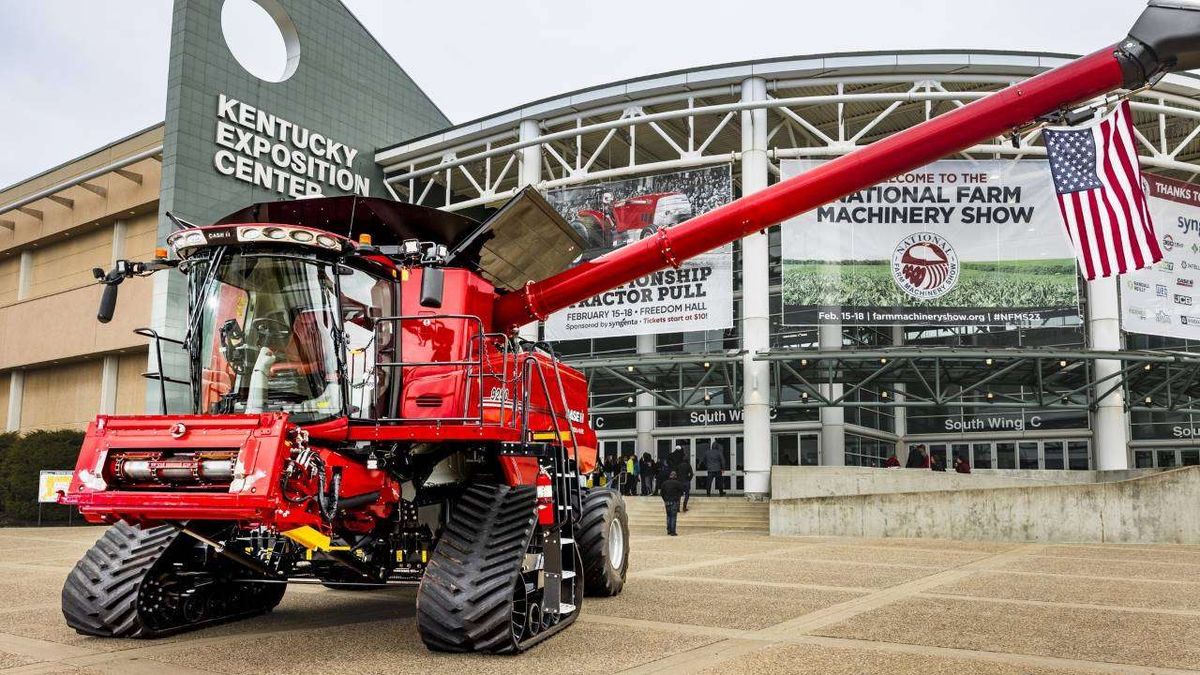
1169,243
1185,282
1139,286
1162,317
925,265
1170,266
1188,266
1190,320
575,416
1160,290
1185,300
1138,312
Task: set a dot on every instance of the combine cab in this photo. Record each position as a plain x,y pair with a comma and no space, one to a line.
360,412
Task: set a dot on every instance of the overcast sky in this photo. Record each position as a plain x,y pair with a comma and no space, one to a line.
78,74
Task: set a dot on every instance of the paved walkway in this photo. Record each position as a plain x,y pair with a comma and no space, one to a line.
720,602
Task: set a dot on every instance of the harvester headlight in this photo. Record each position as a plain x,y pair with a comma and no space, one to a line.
250,234
302,236
275,233
327,241
194,239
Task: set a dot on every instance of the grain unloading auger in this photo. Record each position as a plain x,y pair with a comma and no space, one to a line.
362,414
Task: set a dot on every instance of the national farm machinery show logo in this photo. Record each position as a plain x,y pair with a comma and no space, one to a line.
925,266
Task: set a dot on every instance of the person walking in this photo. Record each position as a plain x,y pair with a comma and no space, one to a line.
684,473
672,490
714,463
663,472
647,469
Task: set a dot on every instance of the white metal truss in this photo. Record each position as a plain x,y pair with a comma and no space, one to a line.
810,117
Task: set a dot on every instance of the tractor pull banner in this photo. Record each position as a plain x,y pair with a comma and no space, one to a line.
957,242
696,296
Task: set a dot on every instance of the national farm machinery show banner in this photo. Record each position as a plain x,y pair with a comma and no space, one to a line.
696,296
957,242
1164,299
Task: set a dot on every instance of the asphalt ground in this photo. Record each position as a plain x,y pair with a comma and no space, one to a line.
720,602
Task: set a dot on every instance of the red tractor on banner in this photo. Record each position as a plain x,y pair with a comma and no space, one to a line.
361,412
632,219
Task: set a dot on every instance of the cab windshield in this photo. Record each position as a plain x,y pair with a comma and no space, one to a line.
267,335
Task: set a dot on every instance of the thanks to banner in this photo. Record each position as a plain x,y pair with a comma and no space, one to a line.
1164,299
696,296
957,242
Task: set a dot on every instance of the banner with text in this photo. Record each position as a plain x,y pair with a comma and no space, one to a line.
957,242
696,296
1163,299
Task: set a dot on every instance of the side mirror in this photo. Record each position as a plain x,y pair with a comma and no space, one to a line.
108,303
432,282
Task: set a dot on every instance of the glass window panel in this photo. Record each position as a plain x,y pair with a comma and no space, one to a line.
1006,455
1028,455
938,452
809,455
1077,455
789,450
1053,451
1143,459
983,455
1189,457
1166,459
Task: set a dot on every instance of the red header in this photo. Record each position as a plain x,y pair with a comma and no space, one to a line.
1173,190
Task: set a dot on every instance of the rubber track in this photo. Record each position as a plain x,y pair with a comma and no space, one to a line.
593,545
100,595
465,598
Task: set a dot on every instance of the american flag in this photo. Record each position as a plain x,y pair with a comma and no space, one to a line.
1101,195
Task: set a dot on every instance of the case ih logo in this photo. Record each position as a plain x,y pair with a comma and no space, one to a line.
1185,282
925,265
1183,300
1169,243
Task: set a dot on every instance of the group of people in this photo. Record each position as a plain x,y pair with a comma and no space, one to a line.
920,458
670,477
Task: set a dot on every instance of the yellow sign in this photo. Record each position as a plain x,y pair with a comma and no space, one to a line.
50,483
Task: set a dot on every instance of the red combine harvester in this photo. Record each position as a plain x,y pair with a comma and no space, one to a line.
631,219
363,413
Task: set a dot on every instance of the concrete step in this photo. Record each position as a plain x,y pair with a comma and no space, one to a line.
647,516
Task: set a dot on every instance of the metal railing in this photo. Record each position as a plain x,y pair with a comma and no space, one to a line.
160,376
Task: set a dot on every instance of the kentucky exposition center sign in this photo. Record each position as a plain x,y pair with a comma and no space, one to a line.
958,242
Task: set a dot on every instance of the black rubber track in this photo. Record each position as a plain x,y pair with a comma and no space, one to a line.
465,598
101,594
600,578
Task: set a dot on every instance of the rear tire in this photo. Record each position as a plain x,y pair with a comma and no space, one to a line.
603,537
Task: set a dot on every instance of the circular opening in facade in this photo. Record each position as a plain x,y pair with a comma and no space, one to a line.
262,37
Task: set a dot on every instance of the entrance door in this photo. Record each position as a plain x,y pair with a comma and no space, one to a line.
732,453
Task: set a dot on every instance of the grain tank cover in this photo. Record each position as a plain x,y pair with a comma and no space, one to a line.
525,240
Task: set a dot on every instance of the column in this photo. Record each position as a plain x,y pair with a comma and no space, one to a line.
529,172
1110,433
25,275
16,391
118,240
646,419
756,305
108,385
833,418
900,412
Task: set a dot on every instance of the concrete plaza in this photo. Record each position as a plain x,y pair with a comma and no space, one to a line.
728,602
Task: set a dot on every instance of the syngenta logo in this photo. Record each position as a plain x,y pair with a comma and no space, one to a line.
1188,225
